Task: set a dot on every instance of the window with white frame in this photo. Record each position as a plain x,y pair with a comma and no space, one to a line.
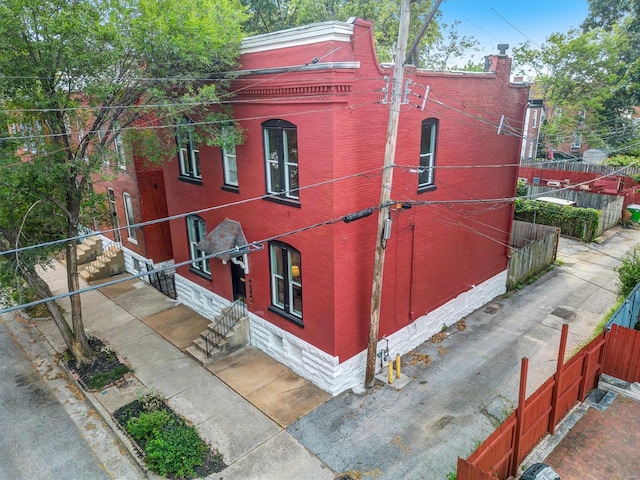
576,141
121,160
128,211
196,230
188,152
281,158
229,163
534,122
428,140
286,281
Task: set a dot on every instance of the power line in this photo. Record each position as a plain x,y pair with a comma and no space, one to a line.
253,246
186,214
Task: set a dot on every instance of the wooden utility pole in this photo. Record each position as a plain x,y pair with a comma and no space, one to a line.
385,195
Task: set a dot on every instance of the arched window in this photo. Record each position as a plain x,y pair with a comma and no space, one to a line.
428,141
281,158
286,281
196,230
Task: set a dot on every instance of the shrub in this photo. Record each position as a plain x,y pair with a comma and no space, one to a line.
573,221
148,425
628,274
176,451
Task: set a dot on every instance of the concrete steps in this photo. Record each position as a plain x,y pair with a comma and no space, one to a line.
89,249
110,262
235,339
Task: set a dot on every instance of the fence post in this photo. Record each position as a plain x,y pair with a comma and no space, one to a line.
556,384
522,394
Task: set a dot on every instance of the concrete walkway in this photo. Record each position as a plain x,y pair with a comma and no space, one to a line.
136,320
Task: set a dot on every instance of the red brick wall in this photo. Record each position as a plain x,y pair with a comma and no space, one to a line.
435,253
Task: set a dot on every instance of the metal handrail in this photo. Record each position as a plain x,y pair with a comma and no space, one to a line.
111,246
218,332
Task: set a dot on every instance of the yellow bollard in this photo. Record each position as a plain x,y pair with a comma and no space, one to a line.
397,365
390,367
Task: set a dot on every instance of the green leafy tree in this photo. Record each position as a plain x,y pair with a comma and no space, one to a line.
590,78
272,15
78,75
449,46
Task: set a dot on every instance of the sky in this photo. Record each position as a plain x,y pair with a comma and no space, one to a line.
532,20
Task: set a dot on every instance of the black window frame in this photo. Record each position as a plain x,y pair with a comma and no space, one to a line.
427,175
286,308
282,164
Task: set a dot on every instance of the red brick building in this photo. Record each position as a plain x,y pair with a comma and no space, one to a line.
135,194
312,105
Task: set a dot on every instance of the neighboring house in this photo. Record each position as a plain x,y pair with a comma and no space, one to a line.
135,193
313,106
533,119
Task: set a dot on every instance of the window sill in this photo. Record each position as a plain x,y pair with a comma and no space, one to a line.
286,316
427,188
183,178
230,188
283,201
132,241
200,273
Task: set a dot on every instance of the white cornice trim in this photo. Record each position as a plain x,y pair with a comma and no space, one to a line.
293,37
299,68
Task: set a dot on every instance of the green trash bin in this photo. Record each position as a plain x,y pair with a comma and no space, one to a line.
634,208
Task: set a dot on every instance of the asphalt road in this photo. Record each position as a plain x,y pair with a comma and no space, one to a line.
471,383
38,439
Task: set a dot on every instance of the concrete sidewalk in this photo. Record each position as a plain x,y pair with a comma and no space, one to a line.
253,445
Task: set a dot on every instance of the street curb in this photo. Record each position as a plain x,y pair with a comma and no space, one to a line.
88,396
108,420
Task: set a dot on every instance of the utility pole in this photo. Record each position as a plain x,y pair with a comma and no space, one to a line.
385,195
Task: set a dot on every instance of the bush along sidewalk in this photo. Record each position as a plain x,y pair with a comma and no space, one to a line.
168,444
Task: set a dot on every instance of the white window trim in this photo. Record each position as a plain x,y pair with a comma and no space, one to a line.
429,164
194,252
229,157
283,163
286,278
188,154
128,213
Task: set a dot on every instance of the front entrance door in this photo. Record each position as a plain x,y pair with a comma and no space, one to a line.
238,282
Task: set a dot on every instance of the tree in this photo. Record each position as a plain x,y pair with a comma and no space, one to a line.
272,15
78,75
593,71
450,45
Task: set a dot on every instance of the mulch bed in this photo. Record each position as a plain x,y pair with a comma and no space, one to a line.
105,369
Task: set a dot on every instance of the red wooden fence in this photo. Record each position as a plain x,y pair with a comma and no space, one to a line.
623,354
503,451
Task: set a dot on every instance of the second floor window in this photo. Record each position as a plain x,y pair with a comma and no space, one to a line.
281,158
196,230
188,152
428,142
229,164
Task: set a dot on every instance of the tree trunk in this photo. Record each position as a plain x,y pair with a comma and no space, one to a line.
42,290
81,349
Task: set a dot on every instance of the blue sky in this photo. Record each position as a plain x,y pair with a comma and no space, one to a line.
536,19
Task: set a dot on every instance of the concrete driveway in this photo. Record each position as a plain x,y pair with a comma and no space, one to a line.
462,387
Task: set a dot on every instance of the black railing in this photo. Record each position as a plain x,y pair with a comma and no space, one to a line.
218,332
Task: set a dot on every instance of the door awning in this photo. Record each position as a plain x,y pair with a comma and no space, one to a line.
227,237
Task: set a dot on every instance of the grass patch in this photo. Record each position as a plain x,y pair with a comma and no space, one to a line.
599,327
